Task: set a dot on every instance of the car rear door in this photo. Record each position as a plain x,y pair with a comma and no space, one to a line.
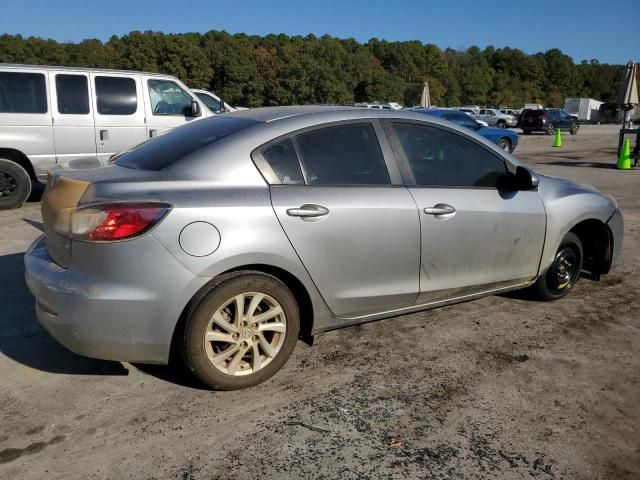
349,218
119,113
73,122
475,236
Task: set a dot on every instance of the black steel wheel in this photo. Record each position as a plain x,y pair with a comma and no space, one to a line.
564,271
15,185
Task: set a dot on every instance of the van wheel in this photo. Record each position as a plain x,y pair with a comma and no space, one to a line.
564,271
240,330
15,185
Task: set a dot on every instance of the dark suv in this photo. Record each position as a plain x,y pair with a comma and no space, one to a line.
547,121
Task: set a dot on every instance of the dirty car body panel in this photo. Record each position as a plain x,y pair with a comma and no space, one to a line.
374,253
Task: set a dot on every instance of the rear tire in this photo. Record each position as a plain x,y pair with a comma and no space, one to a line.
504,144
229,349
15,185
563,273
550,129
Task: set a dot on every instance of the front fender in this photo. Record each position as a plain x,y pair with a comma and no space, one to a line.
567,204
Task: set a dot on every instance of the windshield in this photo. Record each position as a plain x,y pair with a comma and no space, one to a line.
163,151
211,103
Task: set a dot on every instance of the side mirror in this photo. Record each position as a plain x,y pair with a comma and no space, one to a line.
525,179
195,109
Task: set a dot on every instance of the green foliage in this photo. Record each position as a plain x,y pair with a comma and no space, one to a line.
282,70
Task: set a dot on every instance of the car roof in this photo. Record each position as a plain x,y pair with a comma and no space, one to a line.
20,66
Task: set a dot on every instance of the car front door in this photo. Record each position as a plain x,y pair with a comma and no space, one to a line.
118,112
476,236
168,105
73,122
347,215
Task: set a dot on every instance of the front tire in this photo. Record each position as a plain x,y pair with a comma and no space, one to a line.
240,330
564,272
574,129
501,124
15,185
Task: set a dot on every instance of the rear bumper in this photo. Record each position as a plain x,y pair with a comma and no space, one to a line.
111,306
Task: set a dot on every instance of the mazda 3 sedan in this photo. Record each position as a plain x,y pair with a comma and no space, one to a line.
234,236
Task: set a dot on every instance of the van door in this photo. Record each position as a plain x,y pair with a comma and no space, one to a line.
118,112
168,105
73,122
25,117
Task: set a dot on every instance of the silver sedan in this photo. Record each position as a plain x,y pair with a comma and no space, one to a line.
234,236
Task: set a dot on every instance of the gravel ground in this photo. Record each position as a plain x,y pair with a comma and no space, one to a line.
498,388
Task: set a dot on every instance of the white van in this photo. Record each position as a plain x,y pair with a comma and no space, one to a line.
65,116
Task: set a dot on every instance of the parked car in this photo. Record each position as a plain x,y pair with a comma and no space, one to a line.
232,237
505,139
212,101
510,111
495,117
56,116
548,120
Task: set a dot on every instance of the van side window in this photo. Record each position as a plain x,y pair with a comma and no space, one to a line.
167,98
22,93
73,94
116,95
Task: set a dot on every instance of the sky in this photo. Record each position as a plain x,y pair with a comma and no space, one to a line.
608,31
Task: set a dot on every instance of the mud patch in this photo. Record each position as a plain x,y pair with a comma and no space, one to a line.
10,454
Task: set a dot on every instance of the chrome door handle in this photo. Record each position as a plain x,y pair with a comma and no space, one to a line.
440,210
308,210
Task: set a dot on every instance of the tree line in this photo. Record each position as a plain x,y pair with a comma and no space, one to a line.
255,71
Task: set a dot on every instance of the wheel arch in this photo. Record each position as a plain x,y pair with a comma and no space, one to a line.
597,244
300,292
20,158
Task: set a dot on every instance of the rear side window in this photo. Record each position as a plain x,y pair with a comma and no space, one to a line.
73,94
164,150
283,160
116,95
343,155
440,158
22,93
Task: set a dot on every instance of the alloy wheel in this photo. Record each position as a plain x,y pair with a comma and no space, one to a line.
245,334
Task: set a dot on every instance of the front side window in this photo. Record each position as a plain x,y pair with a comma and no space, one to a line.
116,95
211,103
73,94
343,155
440,158
167,98
22,93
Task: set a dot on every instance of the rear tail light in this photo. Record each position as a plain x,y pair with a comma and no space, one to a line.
115,221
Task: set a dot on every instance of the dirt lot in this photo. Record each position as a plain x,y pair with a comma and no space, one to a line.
499,388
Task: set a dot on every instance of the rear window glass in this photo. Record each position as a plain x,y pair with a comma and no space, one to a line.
22,93
163,151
